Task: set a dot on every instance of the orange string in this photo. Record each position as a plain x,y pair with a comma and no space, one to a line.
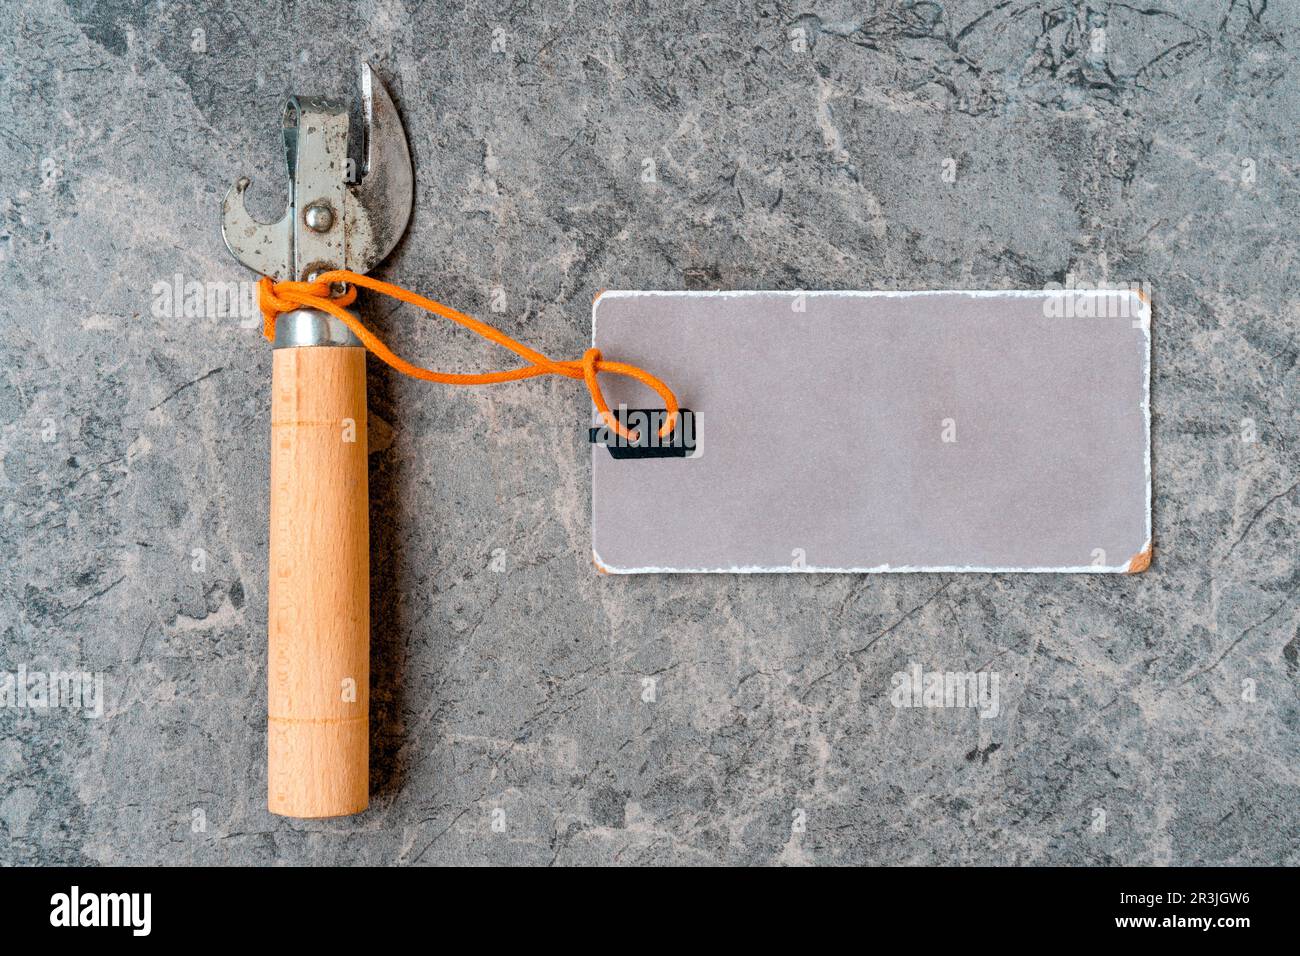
277,297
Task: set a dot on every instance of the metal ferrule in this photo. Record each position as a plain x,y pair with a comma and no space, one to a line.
303,328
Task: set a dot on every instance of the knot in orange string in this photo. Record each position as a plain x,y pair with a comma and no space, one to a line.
275,298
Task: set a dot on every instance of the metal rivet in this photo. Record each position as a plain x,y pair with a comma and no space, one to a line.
319,217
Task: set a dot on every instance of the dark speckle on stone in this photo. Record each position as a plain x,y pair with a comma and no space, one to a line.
609,807
982,754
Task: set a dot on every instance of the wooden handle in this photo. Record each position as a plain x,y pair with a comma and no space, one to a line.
318,695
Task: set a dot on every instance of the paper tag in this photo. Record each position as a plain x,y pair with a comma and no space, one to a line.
881,431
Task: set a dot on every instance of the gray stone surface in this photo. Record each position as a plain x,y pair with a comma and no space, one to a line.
129,440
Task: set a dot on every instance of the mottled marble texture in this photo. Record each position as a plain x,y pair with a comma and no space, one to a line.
128,441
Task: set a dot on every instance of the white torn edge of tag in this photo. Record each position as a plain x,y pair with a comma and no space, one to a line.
878,569
1144,318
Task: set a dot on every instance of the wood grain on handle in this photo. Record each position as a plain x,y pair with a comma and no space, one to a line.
318,671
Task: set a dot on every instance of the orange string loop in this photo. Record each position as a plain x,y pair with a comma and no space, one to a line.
278,297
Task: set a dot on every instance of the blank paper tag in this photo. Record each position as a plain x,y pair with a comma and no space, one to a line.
881,431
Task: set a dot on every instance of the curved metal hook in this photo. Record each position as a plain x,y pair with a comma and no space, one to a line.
264,247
